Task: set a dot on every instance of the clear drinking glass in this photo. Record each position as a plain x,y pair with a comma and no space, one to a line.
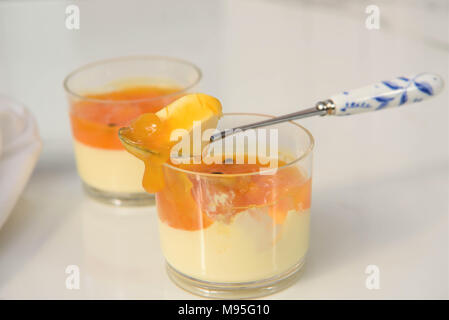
239,235
106,95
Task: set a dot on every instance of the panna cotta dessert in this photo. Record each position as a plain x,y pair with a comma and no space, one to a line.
107,95
227,228
109,170
232,226
245,251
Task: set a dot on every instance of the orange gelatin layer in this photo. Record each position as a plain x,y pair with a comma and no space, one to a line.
192,202
97,118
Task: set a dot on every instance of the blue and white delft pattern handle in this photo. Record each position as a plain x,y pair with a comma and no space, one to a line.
387,94
383,95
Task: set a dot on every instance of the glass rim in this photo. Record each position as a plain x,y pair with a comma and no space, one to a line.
307,152
87,66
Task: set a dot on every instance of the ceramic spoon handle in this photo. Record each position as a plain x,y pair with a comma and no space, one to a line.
387,94
382,95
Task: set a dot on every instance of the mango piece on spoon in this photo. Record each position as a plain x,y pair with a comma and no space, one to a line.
148,137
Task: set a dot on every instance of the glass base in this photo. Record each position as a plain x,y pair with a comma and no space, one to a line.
119,198
236,290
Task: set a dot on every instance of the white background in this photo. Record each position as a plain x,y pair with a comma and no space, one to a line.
380,188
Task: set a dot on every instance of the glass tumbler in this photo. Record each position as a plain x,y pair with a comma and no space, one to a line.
106,95
237,234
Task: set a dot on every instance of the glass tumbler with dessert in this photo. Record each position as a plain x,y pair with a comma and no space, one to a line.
107,95
234,217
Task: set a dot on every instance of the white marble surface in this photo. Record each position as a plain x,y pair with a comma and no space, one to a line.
380,193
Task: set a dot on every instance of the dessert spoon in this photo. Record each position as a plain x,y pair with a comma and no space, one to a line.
383,95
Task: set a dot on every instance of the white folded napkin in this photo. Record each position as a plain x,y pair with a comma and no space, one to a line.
20,146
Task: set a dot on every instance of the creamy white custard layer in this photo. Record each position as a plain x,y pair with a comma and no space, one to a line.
247,249
109,170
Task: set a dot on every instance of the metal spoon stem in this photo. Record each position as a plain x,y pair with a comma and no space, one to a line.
321,108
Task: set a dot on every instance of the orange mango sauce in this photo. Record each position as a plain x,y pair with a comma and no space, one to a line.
97,118
184,201
152,132
189,201
149,132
